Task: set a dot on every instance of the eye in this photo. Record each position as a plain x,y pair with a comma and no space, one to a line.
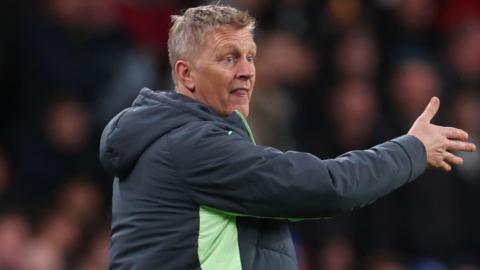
251,58
229,59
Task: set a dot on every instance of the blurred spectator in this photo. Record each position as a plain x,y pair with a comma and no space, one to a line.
60,148
415,15
14,240
435,218
55,241
353,113
43,257
356,55
297,68
400,219
80,202
66,126
271,124
414,82
464,54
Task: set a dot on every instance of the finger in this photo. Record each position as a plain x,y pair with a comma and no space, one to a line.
452,159
445,166
454,133
461,146
430,110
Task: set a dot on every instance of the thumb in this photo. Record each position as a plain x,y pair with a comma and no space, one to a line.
430,110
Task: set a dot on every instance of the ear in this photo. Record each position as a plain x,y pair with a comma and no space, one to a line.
183,72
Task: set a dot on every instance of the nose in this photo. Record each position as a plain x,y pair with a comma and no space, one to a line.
246,70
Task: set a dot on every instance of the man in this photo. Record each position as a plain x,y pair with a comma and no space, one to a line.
193,191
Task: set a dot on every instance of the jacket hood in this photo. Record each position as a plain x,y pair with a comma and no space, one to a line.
151,115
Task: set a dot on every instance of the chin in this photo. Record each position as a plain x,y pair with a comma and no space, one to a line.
244,111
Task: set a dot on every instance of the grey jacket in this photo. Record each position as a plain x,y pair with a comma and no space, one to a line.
193,191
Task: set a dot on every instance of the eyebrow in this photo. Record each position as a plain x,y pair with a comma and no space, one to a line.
232,46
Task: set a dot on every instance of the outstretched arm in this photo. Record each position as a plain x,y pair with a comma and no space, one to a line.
229,173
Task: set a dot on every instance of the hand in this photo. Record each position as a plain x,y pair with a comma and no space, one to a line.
438,140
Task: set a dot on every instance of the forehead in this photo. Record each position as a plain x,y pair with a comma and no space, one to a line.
226,37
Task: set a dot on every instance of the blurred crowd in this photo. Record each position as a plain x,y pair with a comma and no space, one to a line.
332,76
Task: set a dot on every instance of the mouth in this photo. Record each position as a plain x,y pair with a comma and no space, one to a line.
240,91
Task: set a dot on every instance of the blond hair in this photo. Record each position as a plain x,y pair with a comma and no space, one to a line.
189,31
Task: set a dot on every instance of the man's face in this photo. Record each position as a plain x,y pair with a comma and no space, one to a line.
224,71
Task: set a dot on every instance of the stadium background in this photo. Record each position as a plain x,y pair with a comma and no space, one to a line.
332,76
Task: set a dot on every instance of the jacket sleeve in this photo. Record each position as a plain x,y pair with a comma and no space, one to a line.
227,172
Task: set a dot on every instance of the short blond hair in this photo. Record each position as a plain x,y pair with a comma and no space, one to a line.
189,31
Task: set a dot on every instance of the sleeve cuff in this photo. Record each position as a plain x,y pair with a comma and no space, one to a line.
416,152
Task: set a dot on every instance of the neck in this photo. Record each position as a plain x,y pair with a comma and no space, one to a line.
182,90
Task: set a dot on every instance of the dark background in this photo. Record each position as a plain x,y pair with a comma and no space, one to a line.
332,76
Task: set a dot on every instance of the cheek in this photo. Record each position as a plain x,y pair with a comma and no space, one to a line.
222,85
219,90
